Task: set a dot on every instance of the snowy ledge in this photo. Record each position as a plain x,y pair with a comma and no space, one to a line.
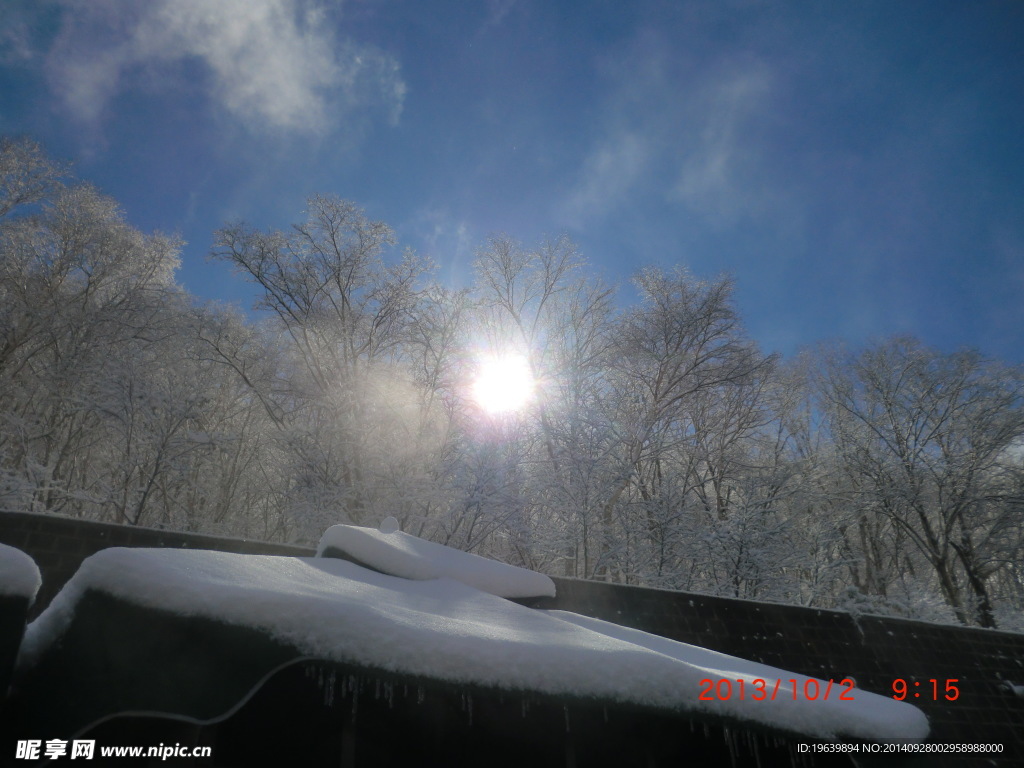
390,551
445,630
19,574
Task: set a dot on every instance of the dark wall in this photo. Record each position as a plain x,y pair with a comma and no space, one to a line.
873,650
60,544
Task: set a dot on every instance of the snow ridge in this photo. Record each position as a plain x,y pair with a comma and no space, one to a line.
391,551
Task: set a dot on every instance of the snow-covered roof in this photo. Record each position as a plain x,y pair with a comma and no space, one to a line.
388,550
19,574
445,630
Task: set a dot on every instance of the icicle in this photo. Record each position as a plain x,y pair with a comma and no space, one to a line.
376,689
797,760
731,743
389,694
469,707
525,707
420,694
565,709
329,689
570,752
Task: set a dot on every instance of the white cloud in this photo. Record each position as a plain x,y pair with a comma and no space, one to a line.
16,45
446,239
719,174
686,128
272,64
608,174
497,10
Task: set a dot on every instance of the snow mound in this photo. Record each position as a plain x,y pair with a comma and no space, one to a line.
867,716
391,551
19,574
445,630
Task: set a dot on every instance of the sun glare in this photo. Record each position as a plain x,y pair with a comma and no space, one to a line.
503,383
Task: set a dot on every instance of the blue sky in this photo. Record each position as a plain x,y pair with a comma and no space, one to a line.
857,166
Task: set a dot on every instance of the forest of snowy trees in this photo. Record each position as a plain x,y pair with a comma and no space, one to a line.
661,447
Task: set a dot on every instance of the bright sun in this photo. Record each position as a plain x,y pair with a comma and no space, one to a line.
503,383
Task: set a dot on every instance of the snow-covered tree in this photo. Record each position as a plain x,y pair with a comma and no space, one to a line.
928,441
345,316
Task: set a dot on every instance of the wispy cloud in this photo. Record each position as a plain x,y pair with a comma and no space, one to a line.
609,172
274,65
720,173
684,127
446,239
497,10
16,45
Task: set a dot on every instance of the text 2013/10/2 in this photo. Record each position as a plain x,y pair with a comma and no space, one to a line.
757,689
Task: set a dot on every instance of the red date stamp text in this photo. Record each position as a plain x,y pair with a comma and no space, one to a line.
807,689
